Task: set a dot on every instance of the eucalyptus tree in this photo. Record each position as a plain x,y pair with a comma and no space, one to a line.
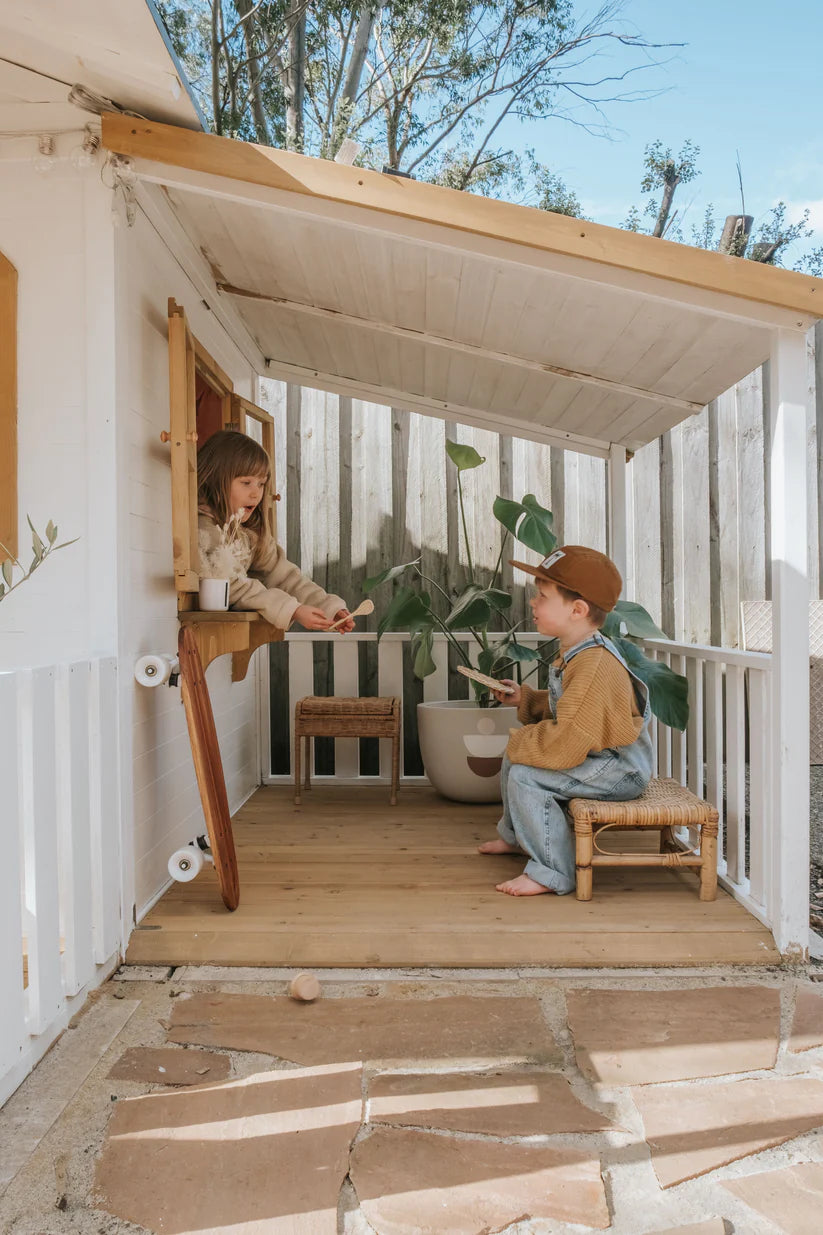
431,88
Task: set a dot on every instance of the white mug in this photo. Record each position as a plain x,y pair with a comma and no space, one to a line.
214,593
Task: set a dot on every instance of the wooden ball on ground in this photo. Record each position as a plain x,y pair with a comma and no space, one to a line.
304,987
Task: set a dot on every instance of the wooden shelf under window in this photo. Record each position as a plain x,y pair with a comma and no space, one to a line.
239,633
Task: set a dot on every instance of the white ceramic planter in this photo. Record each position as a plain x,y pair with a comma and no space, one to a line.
463,746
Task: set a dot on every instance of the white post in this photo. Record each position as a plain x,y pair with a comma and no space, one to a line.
790,646
619,515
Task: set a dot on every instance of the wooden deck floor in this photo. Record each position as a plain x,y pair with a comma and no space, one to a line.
347,880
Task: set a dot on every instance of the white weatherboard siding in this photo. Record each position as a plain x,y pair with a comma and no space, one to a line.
64,384
166,804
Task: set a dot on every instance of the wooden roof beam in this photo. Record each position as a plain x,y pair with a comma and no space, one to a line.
532,430
465,212
467,349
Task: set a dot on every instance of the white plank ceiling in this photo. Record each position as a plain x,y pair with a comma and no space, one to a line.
485,325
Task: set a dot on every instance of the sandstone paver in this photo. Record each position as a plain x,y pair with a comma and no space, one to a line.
692,1129
791,1198
807,1026
419,1183
641,1037
168,1065
499,1103
270,1151
472,1029
714,1226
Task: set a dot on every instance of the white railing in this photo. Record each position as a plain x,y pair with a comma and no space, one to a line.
724,754
60,912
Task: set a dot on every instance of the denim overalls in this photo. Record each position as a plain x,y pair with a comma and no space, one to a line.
533,798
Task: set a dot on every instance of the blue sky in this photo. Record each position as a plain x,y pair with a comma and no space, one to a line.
750,78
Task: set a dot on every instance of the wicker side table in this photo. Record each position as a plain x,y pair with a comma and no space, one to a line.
663,806
316,717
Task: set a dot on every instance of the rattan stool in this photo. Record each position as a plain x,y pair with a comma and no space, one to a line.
319,717
665,805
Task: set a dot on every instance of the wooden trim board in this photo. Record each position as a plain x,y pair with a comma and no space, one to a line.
323,178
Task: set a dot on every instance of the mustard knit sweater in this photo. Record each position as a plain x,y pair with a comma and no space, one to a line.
597,710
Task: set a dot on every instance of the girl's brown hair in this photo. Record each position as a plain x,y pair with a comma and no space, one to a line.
225,456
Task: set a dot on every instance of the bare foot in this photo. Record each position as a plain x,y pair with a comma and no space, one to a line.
498,846
523,885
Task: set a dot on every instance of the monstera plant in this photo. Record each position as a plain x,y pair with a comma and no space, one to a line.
422,606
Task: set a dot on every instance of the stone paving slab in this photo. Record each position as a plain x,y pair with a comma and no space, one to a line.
168,1065
472,1029
266,1155
791,1198
807,1026
714,1226
625,1037
692,1129
498,1103
419,1183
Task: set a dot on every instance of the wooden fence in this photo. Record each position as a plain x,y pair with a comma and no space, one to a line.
365,486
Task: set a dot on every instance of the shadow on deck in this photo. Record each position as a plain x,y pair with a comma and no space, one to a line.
347,880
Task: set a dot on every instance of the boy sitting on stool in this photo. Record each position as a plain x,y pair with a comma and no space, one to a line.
587,736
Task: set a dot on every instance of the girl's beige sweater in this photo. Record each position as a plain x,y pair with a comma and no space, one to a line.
261,576
596,711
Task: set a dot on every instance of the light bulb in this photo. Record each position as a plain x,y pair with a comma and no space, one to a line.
83,156
45,162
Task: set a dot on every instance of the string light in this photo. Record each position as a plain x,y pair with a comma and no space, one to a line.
83,156
45,162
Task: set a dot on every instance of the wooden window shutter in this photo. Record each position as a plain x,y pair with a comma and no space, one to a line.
243,410
8,408
183,441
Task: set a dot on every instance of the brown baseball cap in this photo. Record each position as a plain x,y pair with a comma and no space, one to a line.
586,571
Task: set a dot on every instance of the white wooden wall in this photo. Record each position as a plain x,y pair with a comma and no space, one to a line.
158,779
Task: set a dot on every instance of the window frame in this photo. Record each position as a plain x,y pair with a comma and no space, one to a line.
187,358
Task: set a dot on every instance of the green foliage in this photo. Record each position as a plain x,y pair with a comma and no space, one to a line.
483,605
40,550
666,172
423,86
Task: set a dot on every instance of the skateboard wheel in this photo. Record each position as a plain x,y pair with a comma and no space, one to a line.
155,670
186,864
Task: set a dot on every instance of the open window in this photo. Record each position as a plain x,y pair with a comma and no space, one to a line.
201,401
8,408
242,413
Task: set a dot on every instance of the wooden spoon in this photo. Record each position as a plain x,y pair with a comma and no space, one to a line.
365,606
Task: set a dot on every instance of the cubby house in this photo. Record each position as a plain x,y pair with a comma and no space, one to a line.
145,289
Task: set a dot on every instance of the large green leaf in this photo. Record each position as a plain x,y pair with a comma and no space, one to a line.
463,457
528,521
638,622
668,691
391,572
474,606
519,652
409,610
421,650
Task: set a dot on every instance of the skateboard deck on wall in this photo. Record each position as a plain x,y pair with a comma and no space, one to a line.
208,766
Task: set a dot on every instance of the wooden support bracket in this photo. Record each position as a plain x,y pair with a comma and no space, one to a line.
235,632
